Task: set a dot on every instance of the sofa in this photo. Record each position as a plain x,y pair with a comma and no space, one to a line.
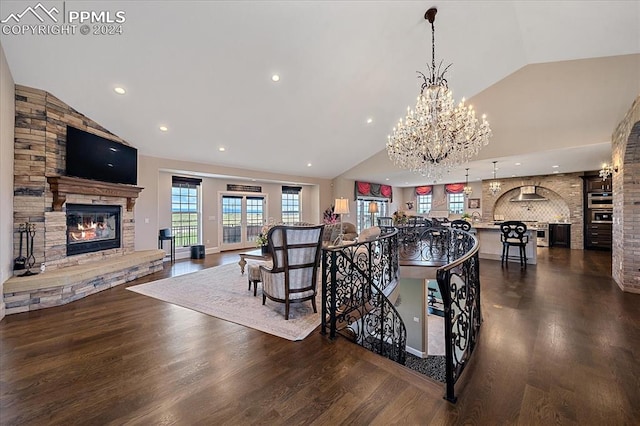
332,230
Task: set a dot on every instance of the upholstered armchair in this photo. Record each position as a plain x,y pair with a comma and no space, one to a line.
293,277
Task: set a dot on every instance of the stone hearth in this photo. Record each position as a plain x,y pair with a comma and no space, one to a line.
64,285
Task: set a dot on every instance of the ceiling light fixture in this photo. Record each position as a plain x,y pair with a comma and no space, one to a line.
275,77
222,149
436,135
607,170
467,189
120,90
494,185
163,128
369,120
308,164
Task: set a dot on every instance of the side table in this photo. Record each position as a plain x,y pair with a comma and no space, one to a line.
162,239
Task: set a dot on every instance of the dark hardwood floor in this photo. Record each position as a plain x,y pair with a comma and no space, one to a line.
560,344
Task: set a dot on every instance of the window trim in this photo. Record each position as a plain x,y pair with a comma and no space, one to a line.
459,201
186,183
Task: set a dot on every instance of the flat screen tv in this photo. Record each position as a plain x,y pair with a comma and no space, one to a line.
93,157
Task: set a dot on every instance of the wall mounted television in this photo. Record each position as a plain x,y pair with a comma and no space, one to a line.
93,157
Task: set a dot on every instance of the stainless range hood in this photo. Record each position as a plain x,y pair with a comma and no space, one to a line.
528,193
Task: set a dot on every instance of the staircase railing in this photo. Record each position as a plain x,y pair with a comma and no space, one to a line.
456,252
357,281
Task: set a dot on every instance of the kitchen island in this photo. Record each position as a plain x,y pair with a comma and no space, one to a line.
488,236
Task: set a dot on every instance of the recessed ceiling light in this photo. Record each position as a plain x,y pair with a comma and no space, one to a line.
518,164
163,128
555,171
369,120
555,167
513,175
386,178
222,149
275,77
308,164
120,90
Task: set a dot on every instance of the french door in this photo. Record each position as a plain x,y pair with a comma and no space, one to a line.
242,217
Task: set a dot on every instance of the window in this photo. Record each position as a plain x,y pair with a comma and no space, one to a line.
424,204
456,203
291,204
363,217
185,210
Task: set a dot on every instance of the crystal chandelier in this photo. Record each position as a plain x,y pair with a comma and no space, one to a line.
494,186
436,135
467,190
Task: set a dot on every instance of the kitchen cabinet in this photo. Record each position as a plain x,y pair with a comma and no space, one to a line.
560,235
596,184
598,236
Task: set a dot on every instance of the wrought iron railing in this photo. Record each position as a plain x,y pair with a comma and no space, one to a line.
356,282
357,279
456,252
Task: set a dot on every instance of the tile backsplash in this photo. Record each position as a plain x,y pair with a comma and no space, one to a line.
553,209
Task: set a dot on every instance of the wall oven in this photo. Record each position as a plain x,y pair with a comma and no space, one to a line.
542,234
601,216
600,200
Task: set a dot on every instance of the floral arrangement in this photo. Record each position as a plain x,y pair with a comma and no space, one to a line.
329,216
400,217
261,239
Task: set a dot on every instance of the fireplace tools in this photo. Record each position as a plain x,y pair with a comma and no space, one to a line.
20,262
29,230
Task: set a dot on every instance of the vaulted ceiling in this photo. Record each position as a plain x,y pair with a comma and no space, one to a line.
553,77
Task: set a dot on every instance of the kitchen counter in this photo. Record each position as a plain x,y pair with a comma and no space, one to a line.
488,235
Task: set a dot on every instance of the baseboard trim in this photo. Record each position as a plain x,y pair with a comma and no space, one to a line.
416,352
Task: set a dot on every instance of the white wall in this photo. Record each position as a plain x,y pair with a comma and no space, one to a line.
7,128
153,208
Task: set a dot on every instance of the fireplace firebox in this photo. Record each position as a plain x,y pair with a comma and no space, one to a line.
92,228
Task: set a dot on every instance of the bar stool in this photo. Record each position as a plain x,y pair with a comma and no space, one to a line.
461,224
165,235
513,234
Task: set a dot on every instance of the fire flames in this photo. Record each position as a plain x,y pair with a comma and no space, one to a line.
89,231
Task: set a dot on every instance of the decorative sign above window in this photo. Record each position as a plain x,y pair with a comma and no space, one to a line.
243,188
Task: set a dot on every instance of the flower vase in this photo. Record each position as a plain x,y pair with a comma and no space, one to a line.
265,249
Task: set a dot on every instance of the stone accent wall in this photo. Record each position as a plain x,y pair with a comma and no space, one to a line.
568,186
40,138
625,143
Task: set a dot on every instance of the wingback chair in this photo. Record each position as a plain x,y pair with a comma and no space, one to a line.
294,275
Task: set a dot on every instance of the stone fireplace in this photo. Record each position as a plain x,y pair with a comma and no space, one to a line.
86,249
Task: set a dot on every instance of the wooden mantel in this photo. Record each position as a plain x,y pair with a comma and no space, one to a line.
63,185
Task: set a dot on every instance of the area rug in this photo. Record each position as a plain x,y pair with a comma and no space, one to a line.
222,292
432,366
